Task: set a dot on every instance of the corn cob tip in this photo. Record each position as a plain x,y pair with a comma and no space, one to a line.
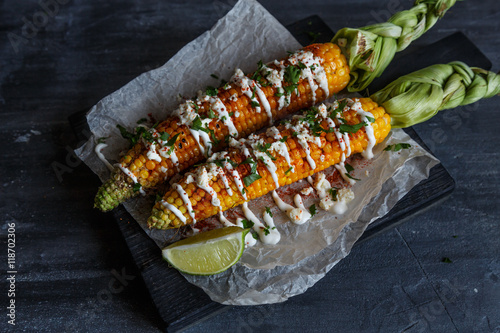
114,191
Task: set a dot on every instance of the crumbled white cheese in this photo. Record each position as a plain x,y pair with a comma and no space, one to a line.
295,215
152,155
234,97
322,110
345,194
306,191
326,202
322,185
189,178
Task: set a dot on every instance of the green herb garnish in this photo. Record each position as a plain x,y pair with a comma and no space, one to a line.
268,210
248,180
137,187
397,147
211,91
312,210
247,224
344,128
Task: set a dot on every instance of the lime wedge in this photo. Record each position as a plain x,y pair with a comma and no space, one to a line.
208,253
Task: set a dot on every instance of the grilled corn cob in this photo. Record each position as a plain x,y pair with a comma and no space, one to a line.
280,91
285,154
240,107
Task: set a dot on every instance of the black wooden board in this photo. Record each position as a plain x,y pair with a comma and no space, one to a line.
182,304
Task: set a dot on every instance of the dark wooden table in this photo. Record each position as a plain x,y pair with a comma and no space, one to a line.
74,271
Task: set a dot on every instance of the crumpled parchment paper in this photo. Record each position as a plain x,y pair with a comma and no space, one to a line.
266,273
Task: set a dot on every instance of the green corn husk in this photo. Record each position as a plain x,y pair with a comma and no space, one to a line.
370,49
416,97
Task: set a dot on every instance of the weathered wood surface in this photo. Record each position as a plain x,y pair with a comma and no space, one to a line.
71,260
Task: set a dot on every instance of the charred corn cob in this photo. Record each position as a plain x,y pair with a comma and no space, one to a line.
278,88
285,154
238,108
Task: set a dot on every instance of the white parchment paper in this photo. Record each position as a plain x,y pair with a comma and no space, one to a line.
266,273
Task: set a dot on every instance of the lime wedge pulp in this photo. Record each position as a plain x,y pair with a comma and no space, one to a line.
207,253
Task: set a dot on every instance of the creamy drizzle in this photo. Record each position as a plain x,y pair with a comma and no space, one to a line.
174,210
298,215
249,240
186,200
368,152
98,150
272,237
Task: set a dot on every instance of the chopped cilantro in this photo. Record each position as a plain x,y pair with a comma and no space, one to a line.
255,236
338,110
268,210
264,148
164,136
231,114
397,147
102,140
344,128
255,104
137,187
141,121
284,139
348,167
295,134
289,169
266,230
248,180
214,76
370,119
196,125
247,224
349,176
312,210
292,75
333,193
211,91
171,142
134,138
211,113
278,94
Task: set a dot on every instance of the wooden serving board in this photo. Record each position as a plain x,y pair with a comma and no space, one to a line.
182,304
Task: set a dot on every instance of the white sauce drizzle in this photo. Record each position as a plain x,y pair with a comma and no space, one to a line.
275,77
131,175
223,115
186,200
249,240
202,181
368,152
313,71
174,210
298,215
152,154
98,150
248,87
272,237
196,136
